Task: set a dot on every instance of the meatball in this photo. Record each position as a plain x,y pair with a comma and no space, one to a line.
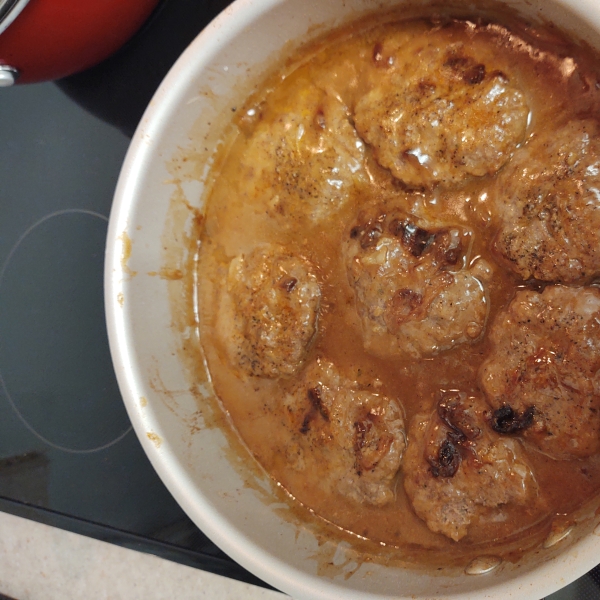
359,433
303,161
542,374
548,200
439,115
413,293
459,473
268,312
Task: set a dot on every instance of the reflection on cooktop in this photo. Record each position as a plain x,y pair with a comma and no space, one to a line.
51,285
119,89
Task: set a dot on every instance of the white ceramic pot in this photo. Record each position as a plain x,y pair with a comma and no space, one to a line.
201,466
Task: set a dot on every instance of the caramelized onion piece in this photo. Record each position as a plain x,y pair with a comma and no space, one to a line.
506,420
448,460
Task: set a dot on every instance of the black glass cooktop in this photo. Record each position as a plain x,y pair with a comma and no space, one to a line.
68,456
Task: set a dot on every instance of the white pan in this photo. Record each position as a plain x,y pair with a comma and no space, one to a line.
205,470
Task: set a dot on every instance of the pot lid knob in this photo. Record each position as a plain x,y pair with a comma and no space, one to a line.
8,75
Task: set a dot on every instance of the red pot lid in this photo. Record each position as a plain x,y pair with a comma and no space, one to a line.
9,11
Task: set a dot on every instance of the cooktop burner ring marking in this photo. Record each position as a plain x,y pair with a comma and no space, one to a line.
5,389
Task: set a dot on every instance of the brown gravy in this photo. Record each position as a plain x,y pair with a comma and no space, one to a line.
558,77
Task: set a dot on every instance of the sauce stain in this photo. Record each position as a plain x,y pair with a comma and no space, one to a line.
171,274
154,438
167,273
126,255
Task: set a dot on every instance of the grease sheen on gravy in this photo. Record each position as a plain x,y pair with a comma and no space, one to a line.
557,81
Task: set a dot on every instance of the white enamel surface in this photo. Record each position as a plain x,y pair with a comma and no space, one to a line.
195,466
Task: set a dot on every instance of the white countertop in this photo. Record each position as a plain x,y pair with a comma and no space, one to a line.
39,562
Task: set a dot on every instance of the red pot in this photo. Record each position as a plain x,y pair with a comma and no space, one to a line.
49,39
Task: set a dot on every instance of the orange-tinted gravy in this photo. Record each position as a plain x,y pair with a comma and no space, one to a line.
535,58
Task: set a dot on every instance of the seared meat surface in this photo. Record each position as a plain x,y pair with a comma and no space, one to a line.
302,162
459,473
544,368
359,433
548,204
439,114
414,294
268,312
